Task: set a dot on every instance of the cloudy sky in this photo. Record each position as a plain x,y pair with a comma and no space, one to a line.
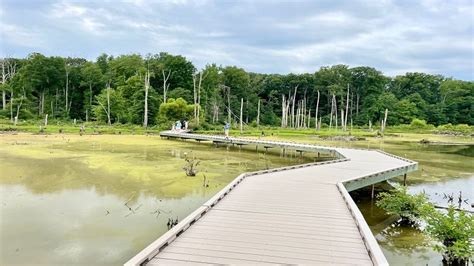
434,36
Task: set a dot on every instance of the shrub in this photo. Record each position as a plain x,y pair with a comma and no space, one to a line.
174,110
455,129
410,208
455,230
419,124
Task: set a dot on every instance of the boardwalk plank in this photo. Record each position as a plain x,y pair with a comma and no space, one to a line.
296,216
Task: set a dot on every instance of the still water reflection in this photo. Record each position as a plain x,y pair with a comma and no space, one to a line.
63,197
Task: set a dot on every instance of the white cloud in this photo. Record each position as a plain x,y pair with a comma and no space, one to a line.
264,36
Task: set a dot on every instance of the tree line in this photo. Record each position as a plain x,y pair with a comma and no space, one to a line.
157,88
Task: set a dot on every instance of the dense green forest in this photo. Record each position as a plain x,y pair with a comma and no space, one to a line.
122,89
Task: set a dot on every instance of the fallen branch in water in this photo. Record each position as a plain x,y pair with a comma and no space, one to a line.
456,209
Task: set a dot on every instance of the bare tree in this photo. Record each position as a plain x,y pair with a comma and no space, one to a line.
309,118
283,111
8,71
293,108
316,115
347,108
166,85
384,122
147,87
197,95
19,106
241,114
66,67
107,110
258,113
333,110
11,106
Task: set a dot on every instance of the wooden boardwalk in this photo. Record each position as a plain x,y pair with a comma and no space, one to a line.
290,215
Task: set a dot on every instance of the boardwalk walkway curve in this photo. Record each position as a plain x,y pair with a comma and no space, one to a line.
301,214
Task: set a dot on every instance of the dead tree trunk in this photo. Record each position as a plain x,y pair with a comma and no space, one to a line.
241,114
18,108
335,109
67,90
107,110
11,106
247,111
8,71
258,114
330,116
109,121
316,114
56,100
194,95
165,83
4,80
215,112
90,100
46,120
282,110
147,87
347,109
293,109
357,105
229,111
309,118
197,96
343,128
384,123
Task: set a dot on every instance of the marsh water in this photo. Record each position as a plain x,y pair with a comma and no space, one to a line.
443,170
98,200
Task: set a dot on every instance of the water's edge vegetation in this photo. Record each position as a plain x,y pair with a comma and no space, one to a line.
410,145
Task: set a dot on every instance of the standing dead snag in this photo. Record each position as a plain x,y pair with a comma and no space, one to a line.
8,71
293,108
197,96
347,109
107,111
384,122
66,67
241,114
317,109
166,85
147,87
258,114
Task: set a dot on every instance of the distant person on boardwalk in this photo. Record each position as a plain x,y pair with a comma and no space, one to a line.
226,129
178,125
186,123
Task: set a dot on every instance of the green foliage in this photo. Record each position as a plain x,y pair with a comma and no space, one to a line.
455,231
185,94
118,110
41,81
461,129
420,124
411,208
174,110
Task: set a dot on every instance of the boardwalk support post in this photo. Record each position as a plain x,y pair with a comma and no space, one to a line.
373,192
405,179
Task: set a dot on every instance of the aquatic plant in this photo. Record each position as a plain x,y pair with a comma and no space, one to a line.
455,231
191,166
410,208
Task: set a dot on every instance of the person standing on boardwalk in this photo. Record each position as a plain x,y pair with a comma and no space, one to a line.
226,129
